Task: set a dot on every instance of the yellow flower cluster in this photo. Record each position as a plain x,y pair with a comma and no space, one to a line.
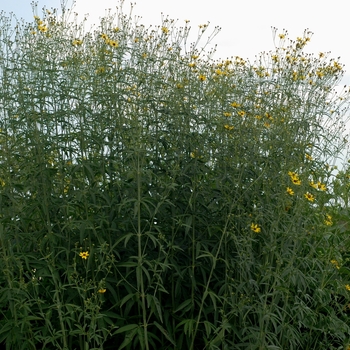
77,42
261,72
308,157
335,264
165,30
223,68
301,42
319,186
328,220
294,177
109,41
41,26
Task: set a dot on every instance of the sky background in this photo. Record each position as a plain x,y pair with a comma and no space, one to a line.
246,24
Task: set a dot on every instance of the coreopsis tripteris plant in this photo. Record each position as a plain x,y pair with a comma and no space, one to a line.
132,128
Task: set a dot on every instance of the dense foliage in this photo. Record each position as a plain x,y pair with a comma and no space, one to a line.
151,197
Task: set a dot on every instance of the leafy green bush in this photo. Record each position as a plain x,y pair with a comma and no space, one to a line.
151,197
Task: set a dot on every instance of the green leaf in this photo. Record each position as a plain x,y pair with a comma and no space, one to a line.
126,328
165,333
187,304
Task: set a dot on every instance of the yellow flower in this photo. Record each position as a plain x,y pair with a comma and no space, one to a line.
290,191
84,255
309,196
113,43
202,77
337,65
328,221
194,57
165,30
227,114
335,263
228,127
192,65
255,228
296,181
312,184
102,290
42,28
319,73
241,113
77,42
235,104
321,186
308,157
104,37
281,36
294,177
268,116
100,70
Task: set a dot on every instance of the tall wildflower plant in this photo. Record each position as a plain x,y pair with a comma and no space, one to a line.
151,197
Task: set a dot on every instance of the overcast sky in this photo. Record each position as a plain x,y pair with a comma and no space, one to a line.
246,24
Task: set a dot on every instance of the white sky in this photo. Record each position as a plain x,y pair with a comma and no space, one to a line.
246,24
